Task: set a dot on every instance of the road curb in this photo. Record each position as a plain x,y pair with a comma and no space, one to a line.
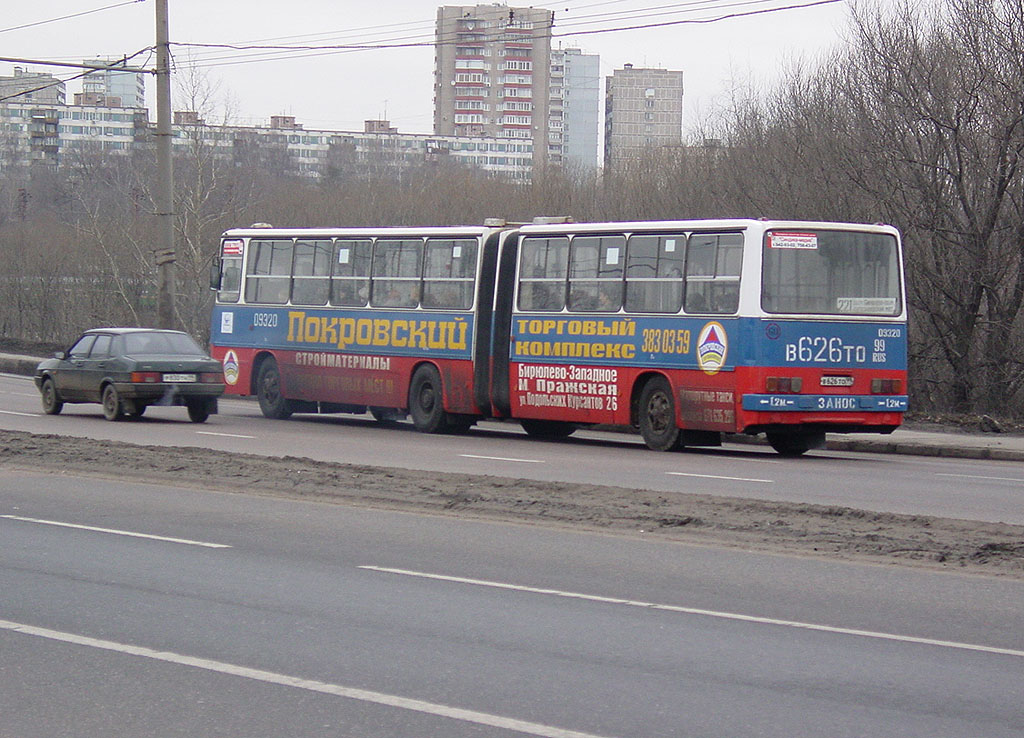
918,449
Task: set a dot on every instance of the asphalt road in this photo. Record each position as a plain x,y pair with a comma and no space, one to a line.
983,490
172,612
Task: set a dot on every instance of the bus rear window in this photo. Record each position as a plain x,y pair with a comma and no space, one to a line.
831,273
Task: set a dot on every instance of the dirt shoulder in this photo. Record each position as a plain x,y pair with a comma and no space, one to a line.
816,530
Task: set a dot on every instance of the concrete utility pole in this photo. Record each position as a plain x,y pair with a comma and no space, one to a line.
163,249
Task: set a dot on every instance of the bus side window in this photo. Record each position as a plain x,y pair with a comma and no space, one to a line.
654,273
397,268
268,275
713,264
449,273
543,265
311,272
350,283
595,273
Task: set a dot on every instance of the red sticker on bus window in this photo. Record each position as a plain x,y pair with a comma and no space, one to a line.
779,240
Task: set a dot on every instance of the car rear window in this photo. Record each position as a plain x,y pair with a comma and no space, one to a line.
161,343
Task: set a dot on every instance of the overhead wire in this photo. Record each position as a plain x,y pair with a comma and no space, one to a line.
72,15
57,81
258,53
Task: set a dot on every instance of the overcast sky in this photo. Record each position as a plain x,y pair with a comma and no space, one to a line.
339,90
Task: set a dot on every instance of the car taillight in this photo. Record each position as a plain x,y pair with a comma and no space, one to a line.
146,377
784,384
211,377
886,386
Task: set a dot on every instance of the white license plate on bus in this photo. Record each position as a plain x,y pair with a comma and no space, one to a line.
179,377
837,381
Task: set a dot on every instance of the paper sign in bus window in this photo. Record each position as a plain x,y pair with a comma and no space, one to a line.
343,256
780,240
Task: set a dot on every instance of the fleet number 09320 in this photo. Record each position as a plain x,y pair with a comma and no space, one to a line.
821,350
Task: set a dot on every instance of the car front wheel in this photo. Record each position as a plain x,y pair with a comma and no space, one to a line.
52,403
113,409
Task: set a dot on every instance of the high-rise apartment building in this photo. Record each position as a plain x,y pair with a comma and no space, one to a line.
108,87
492,73
643,111
32,87
574,123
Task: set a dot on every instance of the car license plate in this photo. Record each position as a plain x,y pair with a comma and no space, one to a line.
179,377
837,381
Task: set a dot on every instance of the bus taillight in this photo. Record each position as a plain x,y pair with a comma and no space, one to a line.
783,385
886,386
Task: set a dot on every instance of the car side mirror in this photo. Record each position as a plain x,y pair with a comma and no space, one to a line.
215,274
61,355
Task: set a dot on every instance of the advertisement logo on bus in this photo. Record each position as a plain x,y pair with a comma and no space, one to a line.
712,347
230,368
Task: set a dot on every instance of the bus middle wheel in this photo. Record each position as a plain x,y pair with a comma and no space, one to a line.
426,400
657,416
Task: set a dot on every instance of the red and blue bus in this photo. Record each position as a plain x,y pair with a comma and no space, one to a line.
686,330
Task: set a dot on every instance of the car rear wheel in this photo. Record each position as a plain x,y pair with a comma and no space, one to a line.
52,403
113,409
198,410
268,390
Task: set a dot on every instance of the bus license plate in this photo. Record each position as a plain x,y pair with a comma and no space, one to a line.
837,381
179,377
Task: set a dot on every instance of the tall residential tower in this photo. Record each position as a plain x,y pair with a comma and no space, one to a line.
575,117
492,74
643,111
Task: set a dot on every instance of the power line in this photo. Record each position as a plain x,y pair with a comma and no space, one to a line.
89,69
73,15
274,52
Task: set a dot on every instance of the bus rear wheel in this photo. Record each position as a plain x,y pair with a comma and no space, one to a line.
426,401
547,428
268,390
657,416
795,443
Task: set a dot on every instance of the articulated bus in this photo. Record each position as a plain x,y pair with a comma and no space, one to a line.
686,330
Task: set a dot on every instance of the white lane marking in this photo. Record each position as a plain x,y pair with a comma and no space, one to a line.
708,613
978,476
502,458
225,435
24,415
112,531
270,677
715,476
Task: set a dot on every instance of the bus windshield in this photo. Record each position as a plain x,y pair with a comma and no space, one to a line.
821,272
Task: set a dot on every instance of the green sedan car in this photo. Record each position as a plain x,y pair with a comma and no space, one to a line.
128,369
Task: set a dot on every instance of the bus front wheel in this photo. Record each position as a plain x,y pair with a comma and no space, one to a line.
795,443
657,416
426,401
268,390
